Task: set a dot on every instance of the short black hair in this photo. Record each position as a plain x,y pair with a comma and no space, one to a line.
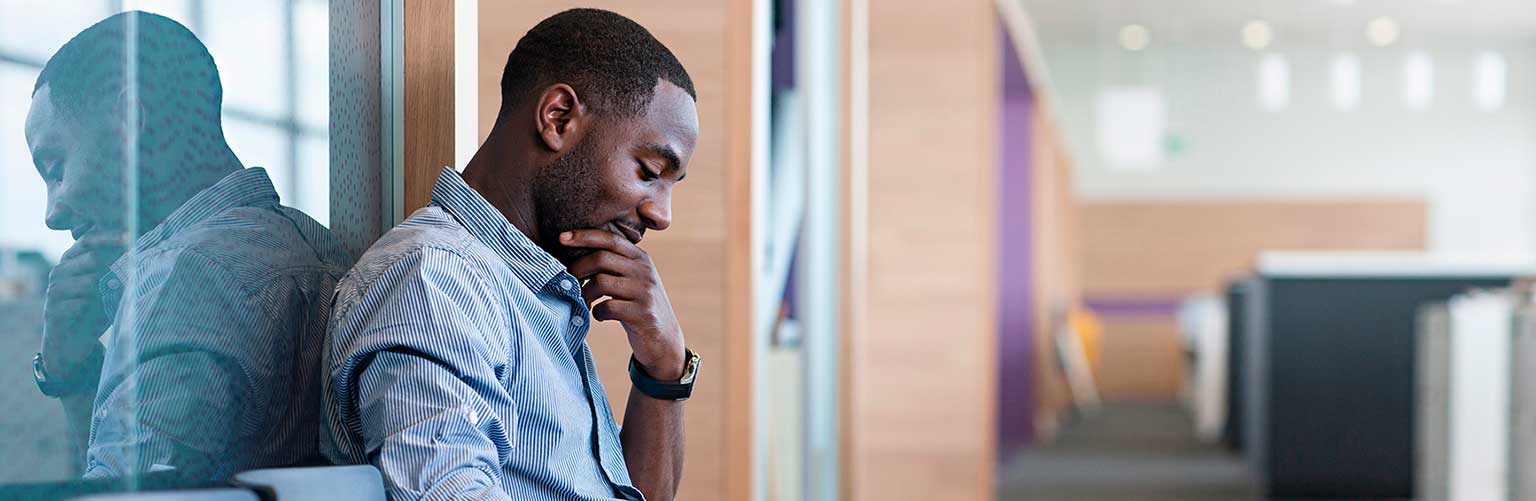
612,62
173,71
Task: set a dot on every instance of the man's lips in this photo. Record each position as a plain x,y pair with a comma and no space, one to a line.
630,234
80,231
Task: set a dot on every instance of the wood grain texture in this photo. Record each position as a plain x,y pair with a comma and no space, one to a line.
700,256
926,395
429,108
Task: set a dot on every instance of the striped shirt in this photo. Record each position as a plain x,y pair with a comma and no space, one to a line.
457,363
212,363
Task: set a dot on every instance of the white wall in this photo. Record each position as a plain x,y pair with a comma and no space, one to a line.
1477,169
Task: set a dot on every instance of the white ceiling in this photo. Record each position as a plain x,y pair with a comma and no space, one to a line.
1332,22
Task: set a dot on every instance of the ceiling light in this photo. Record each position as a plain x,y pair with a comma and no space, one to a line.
1135,37
1345,82
1274,82
1490,81
1381,31
1257,35
1418,81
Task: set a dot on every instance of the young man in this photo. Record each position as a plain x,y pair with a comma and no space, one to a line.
456,358
218,306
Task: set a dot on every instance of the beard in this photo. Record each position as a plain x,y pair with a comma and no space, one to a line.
566,196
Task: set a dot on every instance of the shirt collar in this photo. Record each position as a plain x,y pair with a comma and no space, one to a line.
532,265
242,188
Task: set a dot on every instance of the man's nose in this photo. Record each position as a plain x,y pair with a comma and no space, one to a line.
59,216
657,213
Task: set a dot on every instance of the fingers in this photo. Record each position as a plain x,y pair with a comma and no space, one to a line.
616,309
72,286
604,261
601,239
611,286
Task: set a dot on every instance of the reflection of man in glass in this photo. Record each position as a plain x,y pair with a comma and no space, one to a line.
218,306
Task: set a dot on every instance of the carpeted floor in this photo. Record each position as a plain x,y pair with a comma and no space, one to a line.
1140,451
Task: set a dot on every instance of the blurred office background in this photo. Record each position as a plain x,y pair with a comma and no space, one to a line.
983,249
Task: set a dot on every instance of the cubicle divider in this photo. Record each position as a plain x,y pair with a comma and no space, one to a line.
1474,415
1330,360
1232,426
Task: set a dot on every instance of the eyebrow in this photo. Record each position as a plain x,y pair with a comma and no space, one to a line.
668,154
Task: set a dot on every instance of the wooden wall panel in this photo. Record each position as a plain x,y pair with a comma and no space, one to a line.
924,405
1165,249
1140,359
429,107
702,256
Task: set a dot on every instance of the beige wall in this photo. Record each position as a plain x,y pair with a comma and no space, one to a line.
923,407
698,255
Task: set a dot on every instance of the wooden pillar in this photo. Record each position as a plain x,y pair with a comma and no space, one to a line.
428,97
923,410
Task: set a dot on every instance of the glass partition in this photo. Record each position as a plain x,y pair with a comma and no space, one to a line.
165,261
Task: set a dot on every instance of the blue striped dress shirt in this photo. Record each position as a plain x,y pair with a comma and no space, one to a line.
213,361
457,363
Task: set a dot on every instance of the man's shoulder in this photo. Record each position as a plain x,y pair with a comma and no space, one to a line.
254,244
429,238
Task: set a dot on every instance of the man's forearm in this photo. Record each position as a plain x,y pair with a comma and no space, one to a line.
77,413
653,444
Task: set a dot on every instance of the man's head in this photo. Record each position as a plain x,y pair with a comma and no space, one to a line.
607,115
134,100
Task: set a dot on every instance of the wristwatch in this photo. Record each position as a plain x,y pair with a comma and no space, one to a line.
84,380
666,390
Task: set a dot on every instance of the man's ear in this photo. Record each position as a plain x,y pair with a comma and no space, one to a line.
561,117
128,115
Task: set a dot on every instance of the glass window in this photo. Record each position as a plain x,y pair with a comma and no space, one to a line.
144,264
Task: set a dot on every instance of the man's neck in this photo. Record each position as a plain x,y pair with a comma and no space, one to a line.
505,186
198,175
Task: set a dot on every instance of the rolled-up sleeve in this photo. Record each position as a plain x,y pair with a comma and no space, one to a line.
416,363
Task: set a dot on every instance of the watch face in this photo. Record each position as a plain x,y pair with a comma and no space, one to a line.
692,370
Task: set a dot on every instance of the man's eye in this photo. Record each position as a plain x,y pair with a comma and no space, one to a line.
647,174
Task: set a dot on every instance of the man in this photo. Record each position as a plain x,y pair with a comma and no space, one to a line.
217,309
456,359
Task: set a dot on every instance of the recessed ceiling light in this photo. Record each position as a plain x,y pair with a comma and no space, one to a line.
1345,83
1382,31
1135,37
1257,35
1418,81
1274,81
1490,80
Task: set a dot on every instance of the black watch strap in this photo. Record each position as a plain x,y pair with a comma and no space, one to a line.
666,390
85,379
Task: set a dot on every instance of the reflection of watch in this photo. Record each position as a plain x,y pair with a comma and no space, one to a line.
666,390
84,380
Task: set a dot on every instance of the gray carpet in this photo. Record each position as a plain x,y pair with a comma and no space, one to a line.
1129,450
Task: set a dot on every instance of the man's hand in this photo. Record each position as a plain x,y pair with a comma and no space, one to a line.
73,316
623,272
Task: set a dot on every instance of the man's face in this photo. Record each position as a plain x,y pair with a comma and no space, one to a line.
620,176
81,163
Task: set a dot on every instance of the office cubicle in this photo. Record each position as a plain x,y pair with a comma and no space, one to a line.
1330,356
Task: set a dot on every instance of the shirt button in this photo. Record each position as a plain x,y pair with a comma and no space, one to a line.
577,321
566,284
114,284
